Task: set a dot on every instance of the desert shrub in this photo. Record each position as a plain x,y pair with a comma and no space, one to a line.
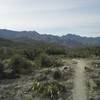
29,54
1,69
98,83
5,53
56,51
45,60
57,62
33,53
51,90
6,73
57,74
20,65
47,71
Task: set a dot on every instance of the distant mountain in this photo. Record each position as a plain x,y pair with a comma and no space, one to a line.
87,41
67,40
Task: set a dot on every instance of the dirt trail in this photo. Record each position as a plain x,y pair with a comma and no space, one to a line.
80,92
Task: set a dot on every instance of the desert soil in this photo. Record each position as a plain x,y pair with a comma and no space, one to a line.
80,92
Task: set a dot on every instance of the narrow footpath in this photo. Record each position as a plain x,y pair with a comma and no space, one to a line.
80,92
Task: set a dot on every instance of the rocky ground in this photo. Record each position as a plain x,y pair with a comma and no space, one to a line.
93,80
24,88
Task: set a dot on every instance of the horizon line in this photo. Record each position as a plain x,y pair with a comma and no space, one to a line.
21,30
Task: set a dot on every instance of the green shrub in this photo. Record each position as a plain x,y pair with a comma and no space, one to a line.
5,53
20,65
56,51
32,54
51,90
29,54
1,69
57,62
45,60
1,66
57,74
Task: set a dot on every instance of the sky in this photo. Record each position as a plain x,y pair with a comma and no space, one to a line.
57,17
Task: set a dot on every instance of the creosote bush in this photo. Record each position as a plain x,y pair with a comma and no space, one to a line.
57,74
1,69
32,54
20,65
45,60
5,52
55,51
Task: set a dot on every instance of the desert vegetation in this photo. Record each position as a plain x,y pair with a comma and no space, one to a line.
35,72
31,72
93,80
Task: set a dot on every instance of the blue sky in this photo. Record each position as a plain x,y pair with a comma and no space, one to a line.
57,17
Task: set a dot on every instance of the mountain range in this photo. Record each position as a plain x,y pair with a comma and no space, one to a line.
70,40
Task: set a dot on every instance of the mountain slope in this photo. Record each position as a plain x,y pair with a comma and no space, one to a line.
83,40
68,40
